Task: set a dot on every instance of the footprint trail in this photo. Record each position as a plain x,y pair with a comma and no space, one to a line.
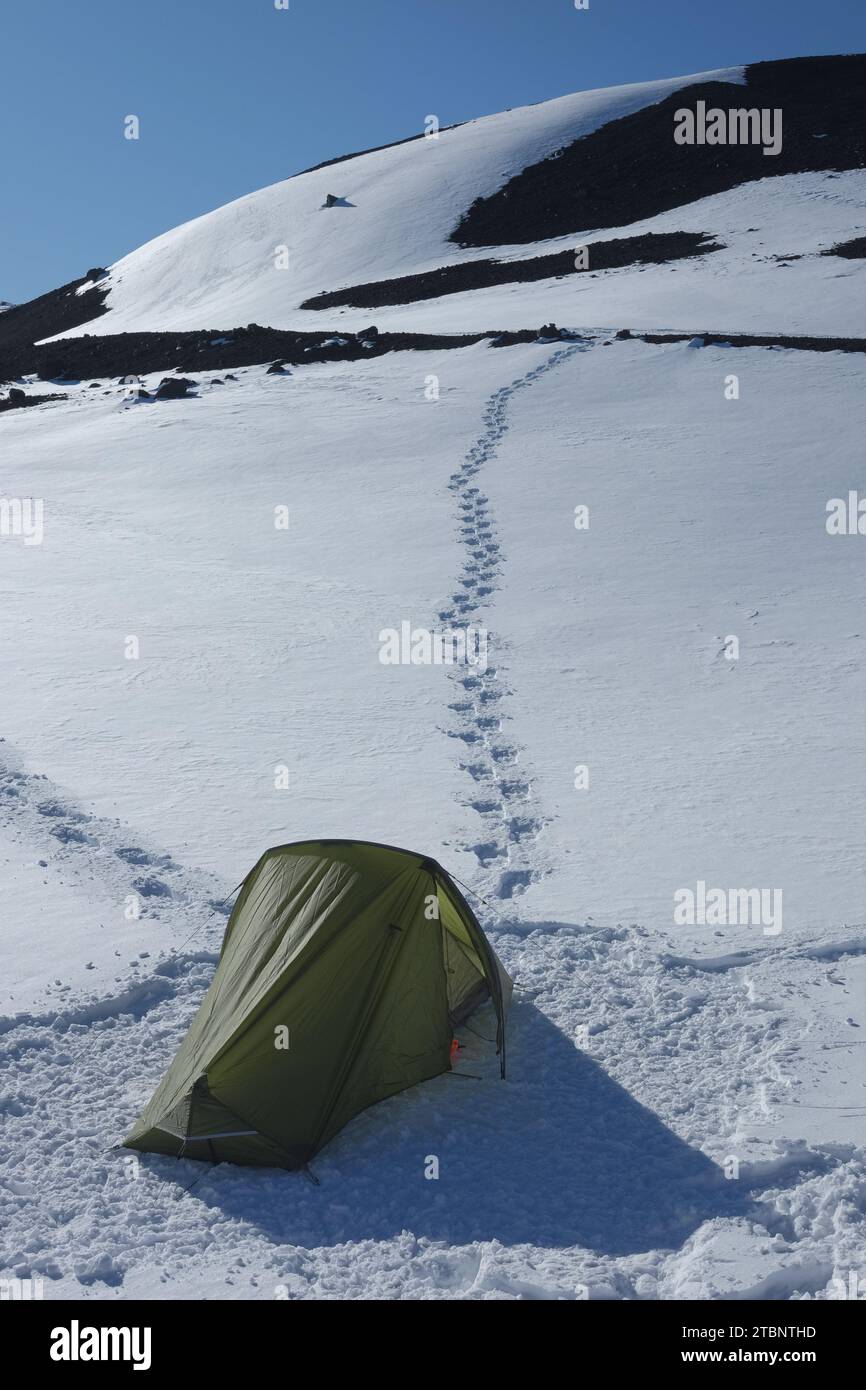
503,796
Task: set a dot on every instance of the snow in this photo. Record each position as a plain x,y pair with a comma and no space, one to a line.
742,288
683,1115
222,270
234,653
643,1056
707,520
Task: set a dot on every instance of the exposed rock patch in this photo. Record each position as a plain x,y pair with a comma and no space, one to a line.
653,248
631,169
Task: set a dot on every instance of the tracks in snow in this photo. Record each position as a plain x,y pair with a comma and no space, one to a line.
503,796
143,888
569,1159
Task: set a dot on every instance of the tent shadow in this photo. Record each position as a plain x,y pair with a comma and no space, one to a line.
557,1155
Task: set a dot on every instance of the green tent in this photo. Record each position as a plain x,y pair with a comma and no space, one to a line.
344,970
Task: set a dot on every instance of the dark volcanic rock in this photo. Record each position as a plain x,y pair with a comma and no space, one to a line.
18,399
797,342
374,149
631,169
653,248
53,369
96,273
50,314
174,388
109,355
854,250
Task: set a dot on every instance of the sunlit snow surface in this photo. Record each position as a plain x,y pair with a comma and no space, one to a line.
258,258
684,1111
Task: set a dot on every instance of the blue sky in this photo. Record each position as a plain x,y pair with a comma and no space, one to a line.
235,94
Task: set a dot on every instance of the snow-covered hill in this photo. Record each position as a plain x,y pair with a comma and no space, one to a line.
265,257
400,206
667,701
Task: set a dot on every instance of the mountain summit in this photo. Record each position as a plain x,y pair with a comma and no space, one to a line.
476,227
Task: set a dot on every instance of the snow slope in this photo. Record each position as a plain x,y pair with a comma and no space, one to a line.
243,628
221,270
706,521
749,286
646,1059
262,257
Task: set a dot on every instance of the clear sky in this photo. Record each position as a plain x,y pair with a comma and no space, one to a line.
235,94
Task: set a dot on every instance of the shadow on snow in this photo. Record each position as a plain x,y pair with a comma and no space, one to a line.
557,1155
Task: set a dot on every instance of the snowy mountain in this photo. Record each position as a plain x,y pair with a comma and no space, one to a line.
399,207
633,506
436,206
